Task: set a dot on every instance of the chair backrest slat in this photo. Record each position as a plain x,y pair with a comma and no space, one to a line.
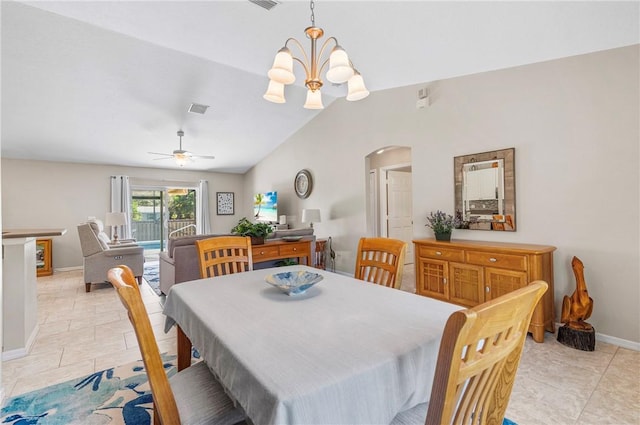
380,261
124,281
223,255
479,355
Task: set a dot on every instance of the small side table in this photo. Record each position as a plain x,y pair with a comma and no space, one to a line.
320,260
44,257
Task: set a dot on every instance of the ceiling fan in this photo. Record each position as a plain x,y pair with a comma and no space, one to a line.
180,155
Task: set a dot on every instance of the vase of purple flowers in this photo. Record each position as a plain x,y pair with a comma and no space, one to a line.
442,224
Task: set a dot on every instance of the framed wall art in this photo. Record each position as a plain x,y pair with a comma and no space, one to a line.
225,203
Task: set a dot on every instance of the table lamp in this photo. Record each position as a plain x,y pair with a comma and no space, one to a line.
310,216
115,219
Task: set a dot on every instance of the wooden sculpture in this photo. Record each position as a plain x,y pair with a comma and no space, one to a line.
576,309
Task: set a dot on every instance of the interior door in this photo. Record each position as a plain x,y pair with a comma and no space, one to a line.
400,209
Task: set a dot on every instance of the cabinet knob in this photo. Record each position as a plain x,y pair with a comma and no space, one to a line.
261,252
444,280
438,253
295,249
486,289
493,260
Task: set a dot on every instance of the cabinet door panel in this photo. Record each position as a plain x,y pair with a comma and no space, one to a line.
432,279
466,284
501,281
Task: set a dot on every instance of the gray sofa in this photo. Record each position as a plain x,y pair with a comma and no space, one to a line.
179,263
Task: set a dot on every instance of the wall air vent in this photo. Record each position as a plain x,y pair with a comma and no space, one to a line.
265,4
197,108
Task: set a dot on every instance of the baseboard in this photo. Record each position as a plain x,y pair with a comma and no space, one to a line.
67,269
22,351
624,343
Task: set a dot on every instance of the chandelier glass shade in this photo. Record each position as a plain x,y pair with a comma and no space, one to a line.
341,69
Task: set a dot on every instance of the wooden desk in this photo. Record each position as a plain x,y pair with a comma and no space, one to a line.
280,249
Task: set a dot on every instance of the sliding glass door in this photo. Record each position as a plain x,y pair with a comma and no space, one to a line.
159,213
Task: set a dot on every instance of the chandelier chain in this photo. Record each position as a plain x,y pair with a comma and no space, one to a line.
312,6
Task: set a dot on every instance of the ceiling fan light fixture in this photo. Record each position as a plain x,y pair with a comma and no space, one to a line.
181,158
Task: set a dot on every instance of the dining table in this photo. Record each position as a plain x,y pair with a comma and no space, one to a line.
344,352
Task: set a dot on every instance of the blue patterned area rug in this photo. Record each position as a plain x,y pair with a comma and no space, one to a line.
151,275
116,396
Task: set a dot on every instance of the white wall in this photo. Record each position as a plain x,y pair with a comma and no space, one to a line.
39,194
574,123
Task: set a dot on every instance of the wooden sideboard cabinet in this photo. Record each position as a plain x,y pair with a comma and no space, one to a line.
280,249
472,272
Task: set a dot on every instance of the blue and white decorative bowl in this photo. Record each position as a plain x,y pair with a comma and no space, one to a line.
294,282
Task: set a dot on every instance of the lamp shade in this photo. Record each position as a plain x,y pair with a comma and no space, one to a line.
282,69
275,92
314,100
340,69
311,216
115,219
181,159
357,90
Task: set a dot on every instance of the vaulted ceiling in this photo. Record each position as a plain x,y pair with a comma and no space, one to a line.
108,81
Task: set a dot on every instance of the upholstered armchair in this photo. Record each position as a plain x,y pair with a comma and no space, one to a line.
100,254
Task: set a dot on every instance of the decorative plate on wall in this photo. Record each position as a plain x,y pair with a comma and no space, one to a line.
303,184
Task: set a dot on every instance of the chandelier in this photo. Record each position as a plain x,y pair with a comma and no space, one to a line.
341,69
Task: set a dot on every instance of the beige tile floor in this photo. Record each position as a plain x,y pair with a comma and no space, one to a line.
85,332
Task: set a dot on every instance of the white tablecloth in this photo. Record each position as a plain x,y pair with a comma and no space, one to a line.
345,352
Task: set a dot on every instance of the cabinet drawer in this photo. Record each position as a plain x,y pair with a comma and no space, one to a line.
294,250
441,253
507,261
264,251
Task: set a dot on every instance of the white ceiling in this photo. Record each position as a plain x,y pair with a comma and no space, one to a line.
107,81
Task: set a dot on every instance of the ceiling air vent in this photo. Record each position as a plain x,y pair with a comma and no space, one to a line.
197,108
265,4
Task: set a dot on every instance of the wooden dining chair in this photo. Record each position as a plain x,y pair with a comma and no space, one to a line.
191,396
224,255
479,355
380,260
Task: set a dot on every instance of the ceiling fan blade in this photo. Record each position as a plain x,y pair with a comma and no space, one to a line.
203,156
163,154
166,157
